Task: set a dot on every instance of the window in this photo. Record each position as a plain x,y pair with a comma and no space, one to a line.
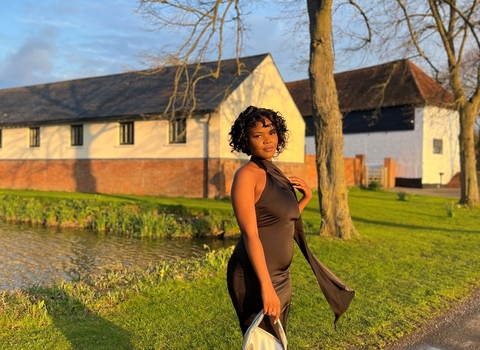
437,146
126,133
0,138
178,131
76,135
35,137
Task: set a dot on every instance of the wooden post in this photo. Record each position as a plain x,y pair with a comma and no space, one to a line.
360,171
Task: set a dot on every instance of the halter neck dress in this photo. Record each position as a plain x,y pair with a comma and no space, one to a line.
276,211
279,224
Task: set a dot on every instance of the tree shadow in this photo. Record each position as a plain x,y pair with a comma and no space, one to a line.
218,181
411,227
84,328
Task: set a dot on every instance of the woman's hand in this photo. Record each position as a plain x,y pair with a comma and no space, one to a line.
301,186
271,302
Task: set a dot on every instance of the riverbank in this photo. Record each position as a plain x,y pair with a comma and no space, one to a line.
413,262
127,215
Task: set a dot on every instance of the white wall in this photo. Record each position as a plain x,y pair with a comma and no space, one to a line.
404,147
263,88
101,141
310,145
441,124
411,150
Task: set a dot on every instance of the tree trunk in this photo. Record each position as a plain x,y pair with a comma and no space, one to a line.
468,172
332,189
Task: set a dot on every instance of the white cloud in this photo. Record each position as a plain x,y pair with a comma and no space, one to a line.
55,40
32,62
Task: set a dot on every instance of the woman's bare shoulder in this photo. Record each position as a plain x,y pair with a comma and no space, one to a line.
249,177
249,171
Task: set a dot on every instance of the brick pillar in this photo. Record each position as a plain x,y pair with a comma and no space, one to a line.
389,166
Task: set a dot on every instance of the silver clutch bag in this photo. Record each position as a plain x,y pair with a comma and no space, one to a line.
257,338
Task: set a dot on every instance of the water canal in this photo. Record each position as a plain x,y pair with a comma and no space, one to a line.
39,255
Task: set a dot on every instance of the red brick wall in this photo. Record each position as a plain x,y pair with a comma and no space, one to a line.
311,171
164,177
354,170
182,178
455,181
222,173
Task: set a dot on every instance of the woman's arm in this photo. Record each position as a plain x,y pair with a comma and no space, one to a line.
243,202
302,187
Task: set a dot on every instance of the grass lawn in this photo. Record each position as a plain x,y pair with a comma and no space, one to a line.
186,202
413,262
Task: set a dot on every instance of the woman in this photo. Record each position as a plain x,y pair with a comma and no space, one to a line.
268,214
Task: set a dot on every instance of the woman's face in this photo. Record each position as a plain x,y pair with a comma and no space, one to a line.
263,140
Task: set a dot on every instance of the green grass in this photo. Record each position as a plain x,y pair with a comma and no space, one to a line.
414,261
186,202
128,215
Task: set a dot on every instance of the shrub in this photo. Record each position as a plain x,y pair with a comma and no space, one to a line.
450,207
374,186
404,196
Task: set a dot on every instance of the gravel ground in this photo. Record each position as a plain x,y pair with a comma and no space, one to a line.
458,329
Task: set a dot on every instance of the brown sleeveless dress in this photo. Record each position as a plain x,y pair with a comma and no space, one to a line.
276,211
279,224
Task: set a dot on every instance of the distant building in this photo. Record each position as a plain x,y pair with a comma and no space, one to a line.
393,110
107,134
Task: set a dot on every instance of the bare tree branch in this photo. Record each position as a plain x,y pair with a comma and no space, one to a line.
441,32
413,35
206,22
365,18
466,18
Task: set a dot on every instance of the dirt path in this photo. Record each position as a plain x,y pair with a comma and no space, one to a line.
458,329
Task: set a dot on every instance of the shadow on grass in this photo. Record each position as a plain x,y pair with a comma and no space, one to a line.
392,196
83,328
412,227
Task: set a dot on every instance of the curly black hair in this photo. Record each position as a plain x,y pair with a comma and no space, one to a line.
247,120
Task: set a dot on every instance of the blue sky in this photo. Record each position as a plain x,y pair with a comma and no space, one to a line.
54,40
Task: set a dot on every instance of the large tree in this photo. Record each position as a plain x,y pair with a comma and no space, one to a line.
445,35
208,22
332,189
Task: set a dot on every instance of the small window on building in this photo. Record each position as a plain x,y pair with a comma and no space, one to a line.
126,133
35,137
76,135
437,146
178,131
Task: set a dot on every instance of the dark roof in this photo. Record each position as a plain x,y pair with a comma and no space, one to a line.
397,83
128,95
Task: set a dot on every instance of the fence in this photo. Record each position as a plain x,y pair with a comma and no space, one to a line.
356,172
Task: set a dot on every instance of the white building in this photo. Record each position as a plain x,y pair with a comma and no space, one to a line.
393,110
108,134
